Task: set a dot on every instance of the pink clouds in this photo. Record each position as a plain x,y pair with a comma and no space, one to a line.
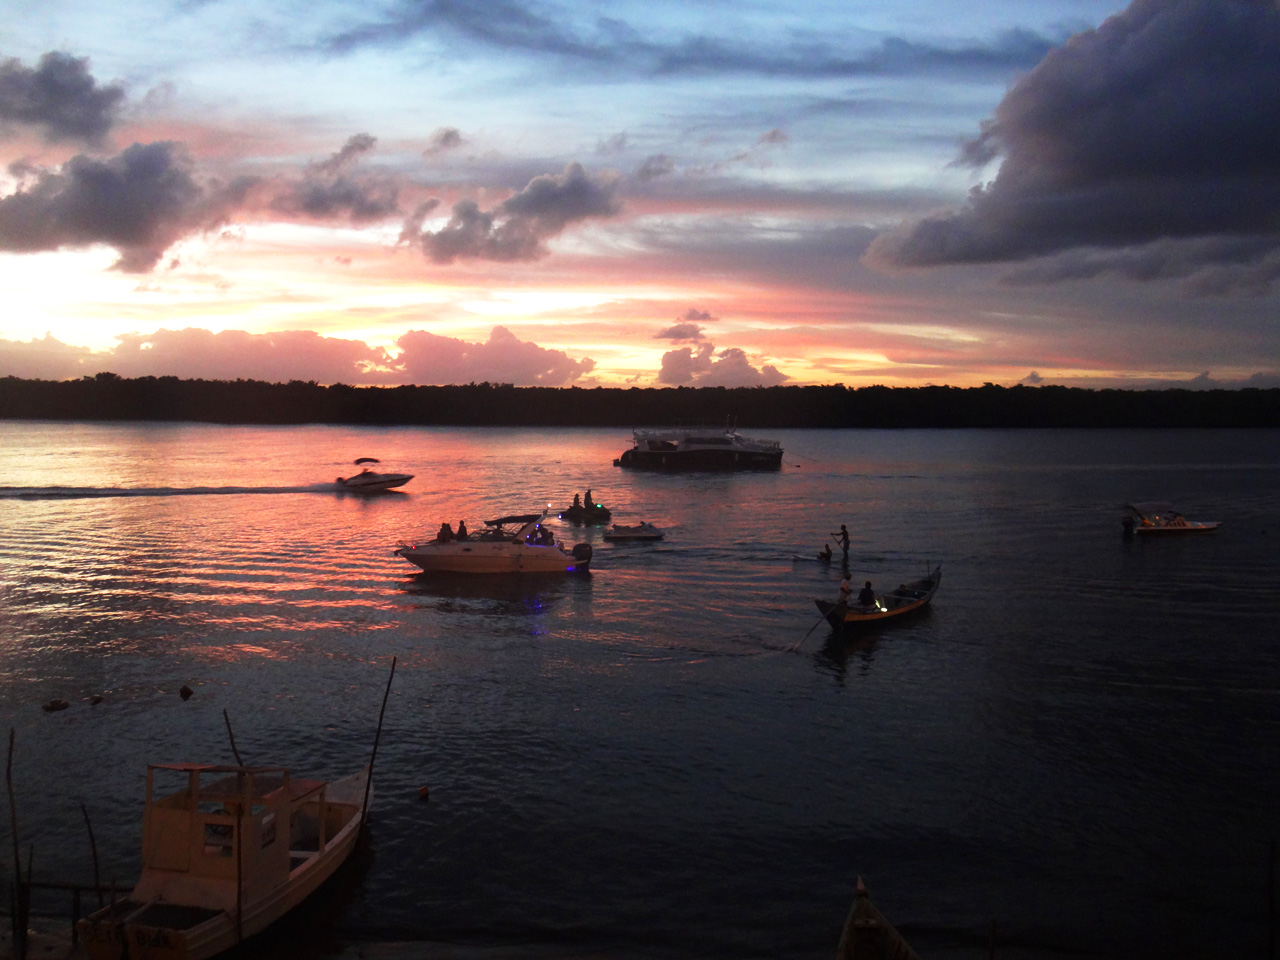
198,354
426,358
702,367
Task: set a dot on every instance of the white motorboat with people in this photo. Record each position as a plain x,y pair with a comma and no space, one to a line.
519,543
1159,517
870,605
370,481
226,851
699,448
639,531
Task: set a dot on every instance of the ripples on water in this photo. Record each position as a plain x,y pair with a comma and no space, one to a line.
1076,741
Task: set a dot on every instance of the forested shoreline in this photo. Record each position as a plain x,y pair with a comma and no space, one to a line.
113,398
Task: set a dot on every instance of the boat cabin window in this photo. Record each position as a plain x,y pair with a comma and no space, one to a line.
661,445
712,441
219,839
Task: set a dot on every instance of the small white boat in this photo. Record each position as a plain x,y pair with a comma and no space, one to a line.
513,544
904,599
225,855
639,531
369,481
1160,517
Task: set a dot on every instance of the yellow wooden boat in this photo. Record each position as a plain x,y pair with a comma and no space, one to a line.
226,851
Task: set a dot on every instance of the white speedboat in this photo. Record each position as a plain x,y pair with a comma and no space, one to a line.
1158,517
675,448
369,481
514,544
639,531
226,851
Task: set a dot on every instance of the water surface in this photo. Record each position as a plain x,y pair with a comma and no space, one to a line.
1077,740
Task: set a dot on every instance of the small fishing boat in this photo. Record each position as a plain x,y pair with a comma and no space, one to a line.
586,513
1158,517
675,448
226,851
512,544
868,935
369,481
639,531
905,599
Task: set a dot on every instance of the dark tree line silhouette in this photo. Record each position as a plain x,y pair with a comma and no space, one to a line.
110,397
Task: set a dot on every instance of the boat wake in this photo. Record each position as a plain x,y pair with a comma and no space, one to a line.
75,493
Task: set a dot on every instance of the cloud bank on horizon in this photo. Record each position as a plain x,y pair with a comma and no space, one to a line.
533,192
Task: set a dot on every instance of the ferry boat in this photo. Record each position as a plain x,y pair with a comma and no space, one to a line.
699,448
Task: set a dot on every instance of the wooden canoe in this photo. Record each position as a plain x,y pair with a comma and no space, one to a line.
905,599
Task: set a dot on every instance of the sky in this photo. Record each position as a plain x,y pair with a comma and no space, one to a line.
572,193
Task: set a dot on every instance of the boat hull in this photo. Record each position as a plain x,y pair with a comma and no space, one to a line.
642,532
1169,529
374,482
501,557
701,459
899,603
132,930
585,515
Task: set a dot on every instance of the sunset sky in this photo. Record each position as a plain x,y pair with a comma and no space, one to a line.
735,193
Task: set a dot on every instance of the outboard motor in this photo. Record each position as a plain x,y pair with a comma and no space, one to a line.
582,554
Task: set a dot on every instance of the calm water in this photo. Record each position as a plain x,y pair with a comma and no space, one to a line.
1078,741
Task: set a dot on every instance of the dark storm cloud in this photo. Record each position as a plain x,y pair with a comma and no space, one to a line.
657,166
330,189
426,358
1011,51
517,228
442,141
59,97
1161,125
680,331
1214,266
608,42
498,23
686,327
141,202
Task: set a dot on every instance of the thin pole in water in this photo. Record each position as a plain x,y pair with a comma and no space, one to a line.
368,783
93,845
232,736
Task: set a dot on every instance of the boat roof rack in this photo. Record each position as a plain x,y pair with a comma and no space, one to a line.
521,518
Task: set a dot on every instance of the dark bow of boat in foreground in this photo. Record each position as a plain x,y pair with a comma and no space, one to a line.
868,935
906,598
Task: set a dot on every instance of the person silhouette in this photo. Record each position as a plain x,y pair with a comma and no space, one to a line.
867,596
842,538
